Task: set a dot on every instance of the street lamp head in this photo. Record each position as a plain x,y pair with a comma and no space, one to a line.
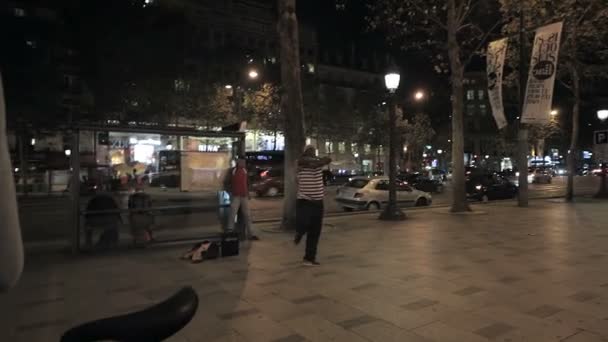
228,86
419,95
391,81
253,74
602,114
554,112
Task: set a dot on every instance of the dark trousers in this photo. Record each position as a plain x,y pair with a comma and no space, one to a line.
309,220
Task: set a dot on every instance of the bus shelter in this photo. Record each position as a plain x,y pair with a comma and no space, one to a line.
180,173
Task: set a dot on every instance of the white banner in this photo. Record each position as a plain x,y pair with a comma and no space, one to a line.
541,78
495,63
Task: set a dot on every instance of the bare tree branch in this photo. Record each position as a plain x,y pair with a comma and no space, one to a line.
482,42
463,11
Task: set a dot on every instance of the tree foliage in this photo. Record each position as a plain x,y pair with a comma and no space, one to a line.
450,32
263,107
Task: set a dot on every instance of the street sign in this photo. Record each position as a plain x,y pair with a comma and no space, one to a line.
600,145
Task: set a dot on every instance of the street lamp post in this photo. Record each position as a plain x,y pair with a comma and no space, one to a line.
392,212
603,190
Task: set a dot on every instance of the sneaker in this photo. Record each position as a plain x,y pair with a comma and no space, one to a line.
310,263
298,238
254,238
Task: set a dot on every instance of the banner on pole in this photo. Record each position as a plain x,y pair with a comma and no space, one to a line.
541,77
495,64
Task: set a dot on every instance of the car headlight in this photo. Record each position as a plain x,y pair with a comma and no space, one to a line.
478,187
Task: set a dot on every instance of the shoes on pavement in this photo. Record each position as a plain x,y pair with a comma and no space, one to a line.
254,238
310,263
298,238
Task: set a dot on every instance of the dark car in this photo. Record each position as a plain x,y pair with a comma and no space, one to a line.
268,182
422,183
487,187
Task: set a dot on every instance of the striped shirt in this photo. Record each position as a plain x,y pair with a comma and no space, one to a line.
310,184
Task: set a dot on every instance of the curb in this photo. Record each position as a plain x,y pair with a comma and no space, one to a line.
356,213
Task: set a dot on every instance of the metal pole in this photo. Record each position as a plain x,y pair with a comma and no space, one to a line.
75,191
23,161
522,134
392,211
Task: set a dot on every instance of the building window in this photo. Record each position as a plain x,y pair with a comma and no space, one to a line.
328,147
367,148
470,110
483,109
470,95
180,85
341,147
354,148
19,12
481,94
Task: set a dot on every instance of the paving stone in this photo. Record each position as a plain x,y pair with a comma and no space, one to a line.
583,296
291,338
365,286
237,314
541,270
494,330
355,322
323,273
509,279
129,288
334,256
382,331
43,302
40,325
467,291
307,299
420,304
544,311
411,277
317,329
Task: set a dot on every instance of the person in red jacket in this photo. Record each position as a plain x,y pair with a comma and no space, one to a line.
239,198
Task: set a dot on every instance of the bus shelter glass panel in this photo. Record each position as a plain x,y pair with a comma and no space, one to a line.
153,187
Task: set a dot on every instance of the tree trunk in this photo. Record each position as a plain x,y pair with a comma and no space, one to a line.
11,246
572,152
291,105
459,199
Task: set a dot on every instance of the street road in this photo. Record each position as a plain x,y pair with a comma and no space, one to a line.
49,217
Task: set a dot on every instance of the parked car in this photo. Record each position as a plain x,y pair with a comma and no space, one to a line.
422,183
486,187
268,182
437,174
540,175
362,193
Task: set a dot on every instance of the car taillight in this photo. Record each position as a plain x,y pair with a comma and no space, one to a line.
358,195
264,174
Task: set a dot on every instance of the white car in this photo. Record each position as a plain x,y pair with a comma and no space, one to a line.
365,193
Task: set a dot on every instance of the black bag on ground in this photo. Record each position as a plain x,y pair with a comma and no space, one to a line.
230,244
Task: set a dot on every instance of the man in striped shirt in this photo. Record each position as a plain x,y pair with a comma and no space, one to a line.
309,207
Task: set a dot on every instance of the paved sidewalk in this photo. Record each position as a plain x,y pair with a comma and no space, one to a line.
500,274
